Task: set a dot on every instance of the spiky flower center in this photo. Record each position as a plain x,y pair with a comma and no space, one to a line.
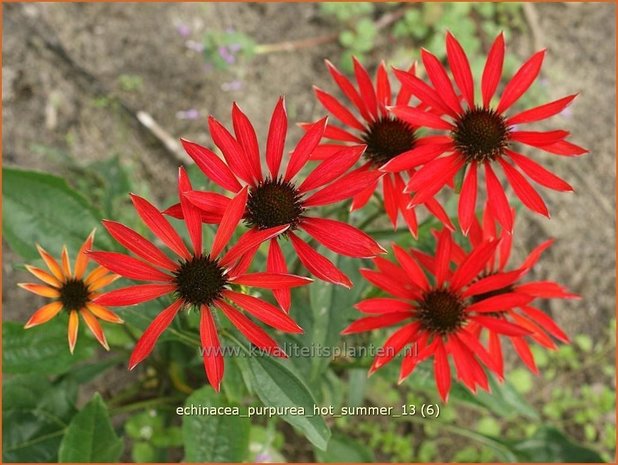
199,281
74,294
386,138
274,202
481,134
441,311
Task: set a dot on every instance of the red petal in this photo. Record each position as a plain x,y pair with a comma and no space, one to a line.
317,264
333,167
139,245
470,341
495,348
442,371
212,166
521,81
383,86
438,211
388,284
534,256
564,148
348,89
191,214
394,344
276,263
383,305
232,151
500,326
539,174
416,157
544,320
498,203
337,133
443,257
275,142
128,267
492,283
541,112
133,295
213,355
344,188
414,272
501,302
264,312
493,69
147,342
256,335
307,144
441,81
391,200
473,264
337,109
245,134
272,280
161,228
460,68
375,322
425,93
538,138
232,216
341,237
366,88
545,289
405,94
522,348
419,118
361,199
432,177
467,200
249,240
211,204
526,193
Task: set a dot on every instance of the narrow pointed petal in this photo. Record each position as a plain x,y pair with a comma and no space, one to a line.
492,283
546,290
412,269
432,177
361,199
157,223
73,329
66,263
317,264
44,314
337,109
563,148
250,240
212,166
133,295
473,264
40,289
307,144
420,118
191,214
348,90
524,352
275,142
333,167
342,189
395,344
521,81
493,70
256,335
272,280
129,267
366,88
103,313
541,112
337,133
538,138
232,151
405,93
383,305
440,80
232,216
81,262
51,263
245,134
95,327
275,263
497,200
146,343
265,312
539,174
391,200
442,371
416,157
501,326
424,92
213,355
44,276
546,322
388,284
460,67
420,351
495,349
467,200
103,281
526,193
95,274
383,87
472,342
443,257
342,238
501,302
370,323
536,253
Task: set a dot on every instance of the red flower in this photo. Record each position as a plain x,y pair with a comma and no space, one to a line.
438,313
72,292
386,137
476,135
277,201
197,279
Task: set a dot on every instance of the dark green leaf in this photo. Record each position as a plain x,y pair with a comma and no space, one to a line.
551,445
344,449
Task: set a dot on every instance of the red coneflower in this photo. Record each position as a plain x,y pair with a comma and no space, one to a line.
479,135
386,137
197,279
276,200
439,311
72,292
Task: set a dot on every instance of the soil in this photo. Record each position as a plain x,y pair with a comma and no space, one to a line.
60,59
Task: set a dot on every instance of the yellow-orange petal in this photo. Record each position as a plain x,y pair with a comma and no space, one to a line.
40,289
103,313
66,264
44,314
95,327
73,328
51,263
81,262
95,274
44,276
103,281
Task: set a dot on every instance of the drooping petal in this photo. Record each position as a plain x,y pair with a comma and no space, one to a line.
348,89
500,302
394,344
275,142
191,214
129,267
271,280
563,148
245,134
95,327
544,320
231,217
212,166
526,193
40,289
420,118
146,343
467,199
441,81
345,187
500,325
472,342
341,237
492,283
382,305
318,264
521,81
541,112
539,174
442,371
232,151
133,295
337,109
81,262
546,290
524,352
249,241
391,200
460,67
161,228
307,144
264,312
51,263
103,313
73,329
43,276
44,314
498,203
370,323
333,167
212,353
493,69
275,263
420,351
443,257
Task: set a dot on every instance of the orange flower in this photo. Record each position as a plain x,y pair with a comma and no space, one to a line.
72,292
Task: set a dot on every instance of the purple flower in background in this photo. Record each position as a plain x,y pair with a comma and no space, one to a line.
184,30
195,46
228,57
190,114
231,86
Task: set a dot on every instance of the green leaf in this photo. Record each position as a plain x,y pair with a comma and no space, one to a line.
38,413
42,208
277,386
42,349
344,449
90,436
551,445
214,438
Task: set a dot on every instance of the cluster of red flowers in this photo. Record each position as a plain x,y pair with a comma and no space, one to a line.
460,302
